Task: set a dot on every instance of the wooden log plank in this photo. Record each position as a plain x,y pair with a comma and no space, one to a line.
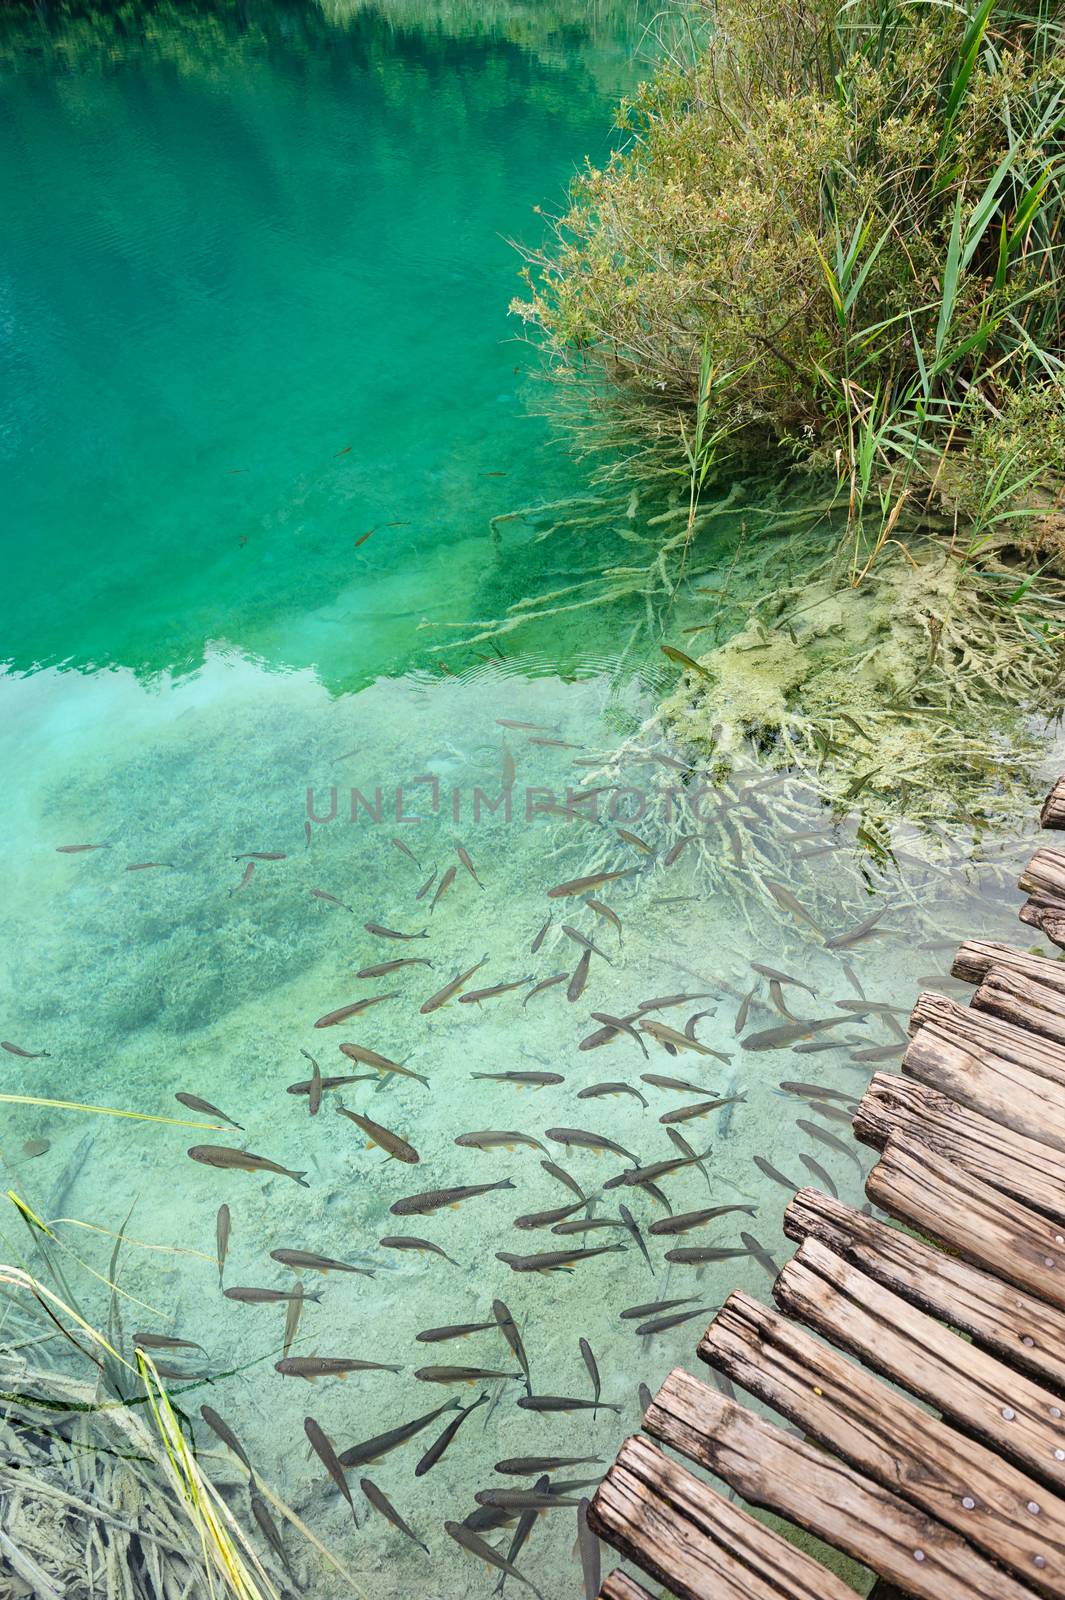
619,1586
1046,913
891,1439
691,1538
1053,812
1007,1410
985,1227
988,1027
988,1084
1044,876
976,957
783,1474
1016,1327
1009,998
901,1107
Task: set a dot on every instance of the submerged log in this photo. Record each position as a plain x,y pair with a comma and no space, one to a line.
988,1024
619,1586
1044,876
891,1439
785,1475
1053,812
1013,1325
1010,1412
1016,1000
998,1089
944,1202
976,957
1046,914
694,1540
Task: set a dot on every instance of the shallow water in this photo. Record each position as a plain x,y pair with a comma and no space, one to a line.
255,279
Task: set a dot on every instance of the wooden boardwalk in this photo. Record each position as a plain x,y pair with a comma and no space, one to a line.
948,1478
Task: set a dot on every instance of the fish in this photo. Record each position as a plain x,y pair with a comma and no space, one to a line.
684,1221
630,1224
525,1524
548,1219
526,727
470,1541
832,1113
652,1307
663,1002
509,1329
879,1008
395,1148
523,1499
309,1085
674,1320
537,1080
310,1261
658,1082
456,1330
314,1367
675,851
760,1254
249,873
292,1320
359,1455
538,941
331,1018
861,930
815,1091
685,661
427,885
545,983
36,1147
330,899
406,850
494,1138
163,1341
269,1297
77,849
439,1445
380,932
818,1172
657,1169
776,995
314,1092
270,1532
644,1397
530,1466
586,943
607,1033
562,1176
557,744
194,1103
635,840
421,1205
370,1058
667,1036
307,835
253,855
464,856
676,1138
219,1155
554,1260
880,1052
592,881
588,1548
607,913
17,1050
460,1374
384,968
221,1238
144,866
784,898
401,1241
582,1139
562,1402
580,977
380,1502
323,1449
442,888
227,1436
442,996
597,1090
686,1113
781,977
615,1025
828,1139
475,996
584,1224
788,1033
702,1255
778,1177
689,1026
742,1013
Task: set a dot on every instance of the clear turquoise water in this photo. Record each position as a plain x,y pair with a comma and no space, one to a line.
255,271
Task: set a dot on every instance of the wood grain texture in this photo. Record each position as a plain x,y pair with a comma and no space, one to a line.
1010,999
1007,1410
1016,1327
1053,812
901,1107
1044,876
892,1440
976,957
998,1089
619,1586
691,1538
783,1474
985,1227
983,1026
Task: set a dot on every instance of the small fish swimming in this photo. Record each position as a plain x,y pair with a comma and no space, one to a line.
702,1255
258,855
359,1455
370,1058
384,968
538,941
222,1225
595,1091
560,1175
830,1140
380,932
314,1367
631,1227
686,1113
658,1169
439,1445
218,1155
494,1139
607,913
548,1219
653,1307
789,1033
331,1018
635,840
77,849
585,943
403,1241
442,996
427,885
406,850
162,1341
380,1502
554,1260
455,1330
561,1402
536,1080
674,1040
323,1449
580,977
330,899
422,1205
308,1085
227,1436
270,1297
658,1082
470,1541
674,1320
684,1221
580,1138
442,888
615,1024
592,881
464,856
249,873
861,930
193,1103
685,661
760,1254
530,1466
460,1374
545,983
770,1171
509,1329
475,996
395,1148
310,1261
17,1050
818,1173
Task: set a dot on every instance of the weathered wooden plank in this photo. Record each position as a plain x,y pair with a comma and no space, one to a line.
1044,875
619,1586
976,957
1007,1410
1014,1325
1047,913
1009,998
783,1474
694,1540
1001,1090
987,1027
1053,812
901,1107
984,1226
892,1440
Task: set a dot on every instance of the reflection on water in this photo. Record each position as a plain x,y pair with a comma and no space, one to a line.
264,246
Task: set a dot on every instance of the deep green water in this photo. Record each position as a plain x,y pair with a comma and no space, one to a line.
255,270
